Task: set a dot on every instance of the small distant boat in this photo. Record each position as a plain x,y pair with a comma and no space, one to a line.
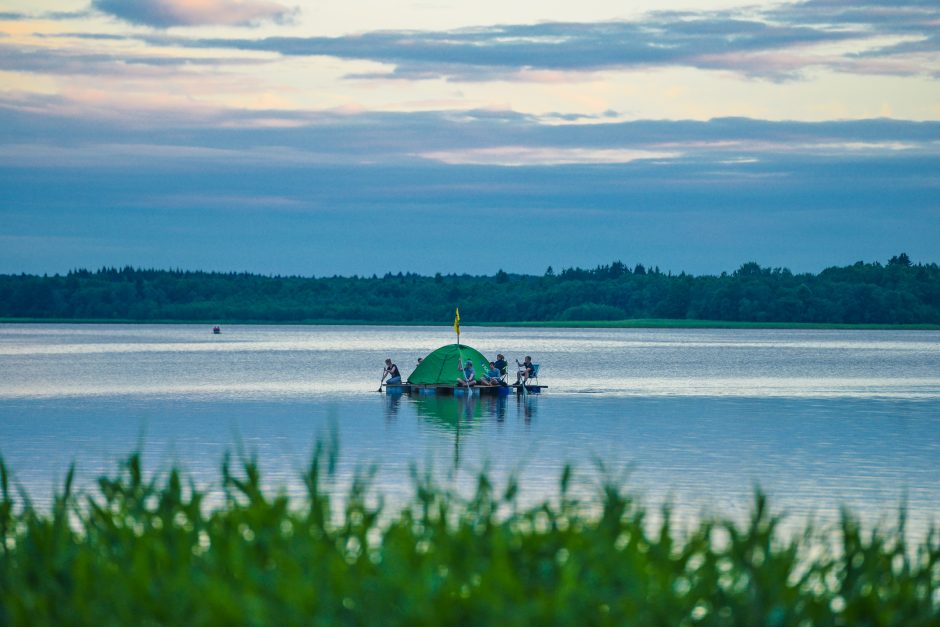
216,329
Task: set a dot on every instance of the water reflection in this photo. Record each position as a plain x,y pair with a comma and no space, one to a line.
392,406
459,414
525,406
458,411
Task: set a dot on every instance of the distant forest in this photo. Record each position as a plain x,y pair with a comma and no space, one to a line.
898,292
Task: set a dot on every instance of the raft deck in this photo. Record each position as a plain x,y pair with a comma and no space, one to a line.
409,388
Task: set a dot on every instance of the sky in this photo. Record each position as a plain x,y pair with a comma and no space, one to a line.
331,137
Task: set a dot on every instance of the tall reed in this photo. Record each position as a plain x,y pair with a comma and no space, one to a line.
150,550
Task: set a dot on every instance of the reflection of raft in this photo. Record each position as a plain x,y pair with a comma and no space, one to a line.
461,412
488,390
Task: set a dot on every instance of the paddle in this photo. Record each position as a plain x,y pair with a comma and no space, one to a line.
384,373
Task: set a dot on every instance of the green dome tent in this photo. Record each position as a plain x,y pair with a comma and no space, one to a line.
440,366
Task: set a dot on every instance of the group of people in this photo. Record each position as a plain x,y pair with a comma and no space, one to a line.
494,374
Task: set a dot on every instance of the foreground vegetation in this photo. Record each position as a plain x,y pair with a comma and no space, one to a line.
145,550
898,292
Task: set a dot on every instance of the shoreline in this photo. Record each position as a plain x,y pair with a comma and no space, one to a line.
645,323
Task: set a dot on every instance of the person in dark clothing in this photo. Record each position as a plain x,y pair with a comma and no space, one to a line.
525,370
501,364
391,371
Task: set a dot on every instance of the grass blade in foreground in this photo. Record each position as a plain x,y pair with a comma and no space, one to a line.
148,550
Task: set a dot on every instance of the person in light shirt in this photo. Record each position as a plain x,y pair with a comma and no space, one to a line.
492,376
468,375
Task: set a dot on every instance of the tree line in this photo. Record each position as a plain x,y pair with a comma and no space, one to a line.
896,292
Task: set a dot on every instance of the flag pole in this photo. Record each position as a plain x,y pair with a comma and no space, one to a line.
457,330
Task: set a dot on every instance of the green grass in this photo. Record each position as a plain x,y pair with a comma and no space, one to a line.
145,550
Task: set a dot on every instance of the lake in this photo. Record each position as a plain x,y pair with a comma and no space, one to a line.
816,418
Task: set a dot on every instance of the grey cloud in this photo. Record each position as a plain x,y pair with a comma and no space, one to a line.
813,206
711,40
169,13
570,46
394,138
766,44
874,17
87,36
64,61
49,15
926,45
336,174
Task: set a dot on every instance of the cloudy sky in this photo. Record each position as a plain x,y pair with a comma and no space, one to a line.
336,137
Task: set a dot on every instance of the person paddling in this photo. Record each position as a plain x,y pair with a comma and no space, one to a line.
525,370
391,371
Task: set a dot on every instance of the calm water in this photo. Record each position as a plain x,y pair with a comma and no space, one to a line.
818,419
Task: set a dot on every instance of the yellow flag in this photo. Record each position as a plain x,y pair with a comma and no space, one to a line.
457,321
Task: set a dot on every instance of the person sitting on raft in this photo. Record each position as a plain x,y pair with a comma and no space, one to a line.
501,364
467,374
492,376
391,371
525,370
